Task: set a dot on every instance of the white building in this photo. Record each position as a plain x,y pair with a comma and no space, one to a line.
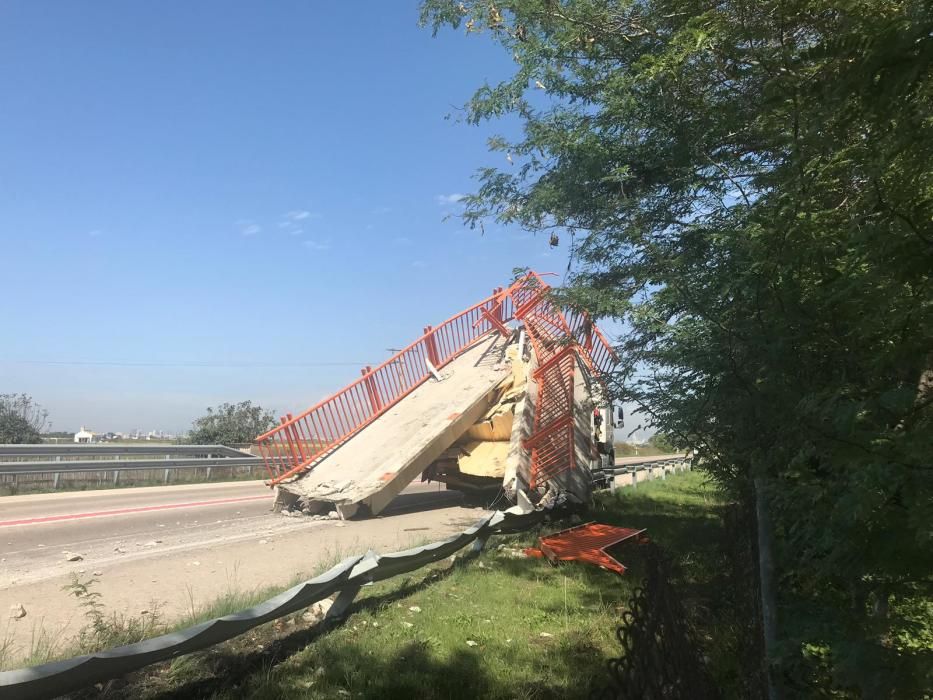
84,435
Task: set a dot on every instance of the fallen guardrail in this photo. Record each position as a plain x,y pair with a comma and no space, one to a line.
345,579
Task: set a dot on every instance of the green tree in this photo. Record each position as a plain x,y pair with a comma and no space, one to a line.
662,442
230,424
22,420
748,186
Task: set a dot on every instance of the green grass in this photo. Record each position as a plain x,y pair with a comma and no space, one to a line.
537,631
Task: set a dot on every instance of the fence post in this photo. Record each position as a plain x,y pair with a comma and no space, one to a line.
430,343
497,306
295,436
288,439
371,389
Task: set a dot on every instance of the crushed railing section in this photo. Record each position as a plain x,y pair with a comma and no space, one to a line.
558,338
300,441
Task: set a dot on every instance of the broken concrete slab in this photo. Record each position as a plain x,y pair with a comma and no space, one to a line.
373,466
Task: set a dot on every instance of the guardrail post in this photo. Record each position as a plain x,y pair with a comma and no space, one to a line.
167,472
208,473
55,479
478,545
342,602
116,476
634,478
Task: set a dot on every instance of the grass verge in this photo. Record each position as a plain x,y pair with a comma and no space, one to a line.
497,626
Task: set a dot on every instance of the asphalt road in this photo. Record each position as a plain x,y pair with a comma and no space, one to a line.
36,530
176,548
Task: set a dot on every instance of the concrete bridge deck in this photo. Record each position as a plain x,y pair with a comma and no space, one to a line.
373,466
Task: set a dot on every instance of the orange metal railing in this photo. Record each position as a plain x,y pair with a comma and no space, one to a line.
558,338
299,442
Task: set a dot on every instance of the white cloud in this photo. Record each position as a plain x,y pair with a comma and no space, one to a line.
445,199
401,240
247,227
297,215
316,245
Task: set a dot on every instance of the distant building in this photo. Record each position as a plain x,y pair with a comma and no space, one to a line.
84,436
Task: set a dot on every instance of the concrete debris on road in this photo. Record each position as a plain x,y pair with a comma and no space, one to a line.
72,556
17,611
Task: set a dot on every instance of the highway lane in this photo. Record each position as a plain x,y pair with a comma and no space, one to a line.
38,532
202,542
226,497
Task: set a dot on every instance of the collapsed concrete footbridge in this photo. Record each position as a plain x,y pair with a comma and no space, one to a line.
507,393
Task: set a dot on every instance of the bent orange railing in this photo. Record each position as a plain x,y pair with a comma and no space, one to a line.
299,441
558,337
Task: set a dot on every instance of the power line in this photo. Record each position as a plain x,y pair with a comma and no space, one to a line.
189,363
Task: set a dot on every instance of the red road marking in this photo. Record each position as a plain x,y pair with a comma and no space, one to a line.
123,511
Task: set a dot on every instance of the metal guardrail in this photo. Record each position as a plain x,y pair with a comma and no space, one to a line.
37,451
610,477
647,464
346,579
111,465
32,460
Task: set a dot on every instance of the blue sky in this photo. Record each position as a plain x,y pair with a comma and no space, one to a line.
191,190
